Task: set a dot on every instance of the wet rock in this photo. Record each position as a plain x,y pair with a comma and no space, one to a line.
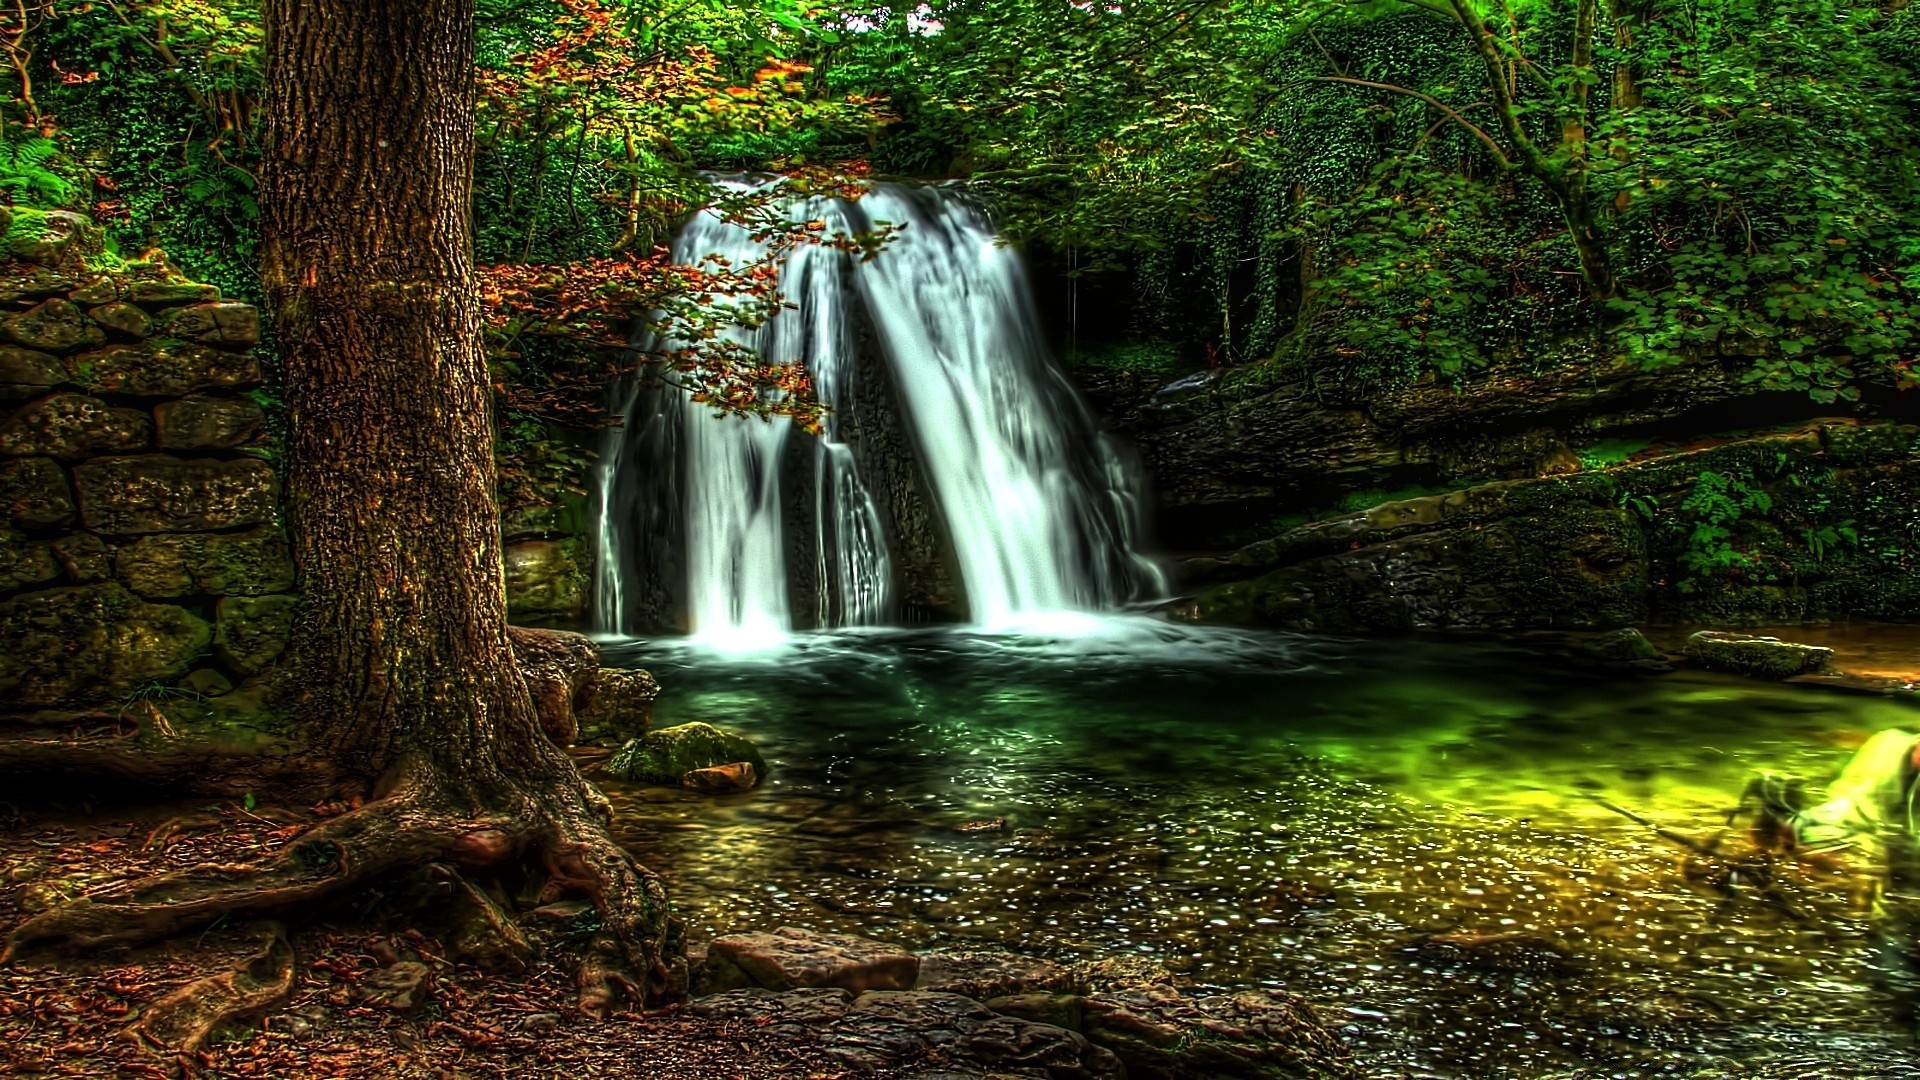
34,493
1120,973
617,705
558,666
1060,1010
24,563
250,632
26,373
729,779
92,643
1760,657
1507,951
162,367
153,493
940,1034
1161,1034
666,755
123,319
546,581
791,958
983,975
84,556
252,563
73,426
52,326
207,423
400,986
210,324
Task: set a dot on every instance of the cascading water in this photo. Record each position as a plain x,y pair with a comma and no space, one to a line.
1038,508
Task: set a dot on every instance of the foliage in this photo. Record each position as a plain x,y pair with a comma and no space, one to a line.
1718,500
1611,452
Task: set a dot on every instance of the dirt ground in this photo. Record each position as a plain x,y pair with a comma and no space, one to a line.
74,1020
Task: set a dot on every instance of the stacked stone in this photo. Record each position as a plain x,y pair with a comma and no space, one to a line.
139,537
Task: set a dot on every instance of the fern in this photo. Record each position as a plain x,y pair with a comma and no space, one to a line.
28,171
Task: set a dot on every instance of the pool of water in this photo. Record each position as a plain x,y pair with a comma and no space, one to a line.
1266,809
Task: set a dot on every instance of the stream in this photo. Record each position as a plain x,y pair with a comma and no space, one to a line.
1262,809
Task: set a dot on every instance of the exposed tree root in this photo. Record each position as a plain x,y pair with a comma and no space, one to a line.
184,1019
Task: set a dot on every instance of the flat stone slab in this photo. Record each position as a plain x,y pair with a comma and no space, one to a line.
943,1035
1760,657
791,958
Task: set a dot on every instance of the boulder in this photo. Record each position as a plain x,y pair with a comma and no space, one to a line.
729,779
1625,646
207,423
54,326
212,324
123,319
666,755
162,367
24,281
936,1035
790,958
51,237
153,493
546,581
1161,1034
250,632
74,426
251,563
27,373
92,644
616,706
984,975
34,493
1760,657
24,563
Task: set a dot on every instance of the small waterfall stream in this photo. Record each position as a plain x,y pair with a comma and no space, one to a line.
1038,510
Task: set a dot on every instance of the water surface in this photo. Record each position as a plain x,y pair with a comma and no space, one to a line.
1265,809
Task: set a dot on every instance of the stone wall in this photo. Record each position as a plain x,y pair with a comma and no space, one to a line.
140,546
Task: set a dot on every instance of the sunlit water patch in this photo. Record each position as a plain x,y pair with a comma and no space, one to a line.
1260,809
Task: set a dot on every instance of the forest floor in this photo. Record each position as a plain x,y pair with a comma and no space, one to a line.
73,1020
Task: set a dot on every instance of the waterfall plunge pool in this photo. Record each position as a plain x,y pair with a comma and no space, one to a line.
1251,808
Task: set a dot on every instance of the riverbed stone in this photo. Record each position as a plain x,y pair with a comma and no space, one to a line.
1760,657
34,493
124,319
24,563
616,706
207,423
546,581
790,958
153,493
28,373
1162,1034
251,563
941,1035
250,632
982,975
91,644
162,367
74,426
225,323
666,755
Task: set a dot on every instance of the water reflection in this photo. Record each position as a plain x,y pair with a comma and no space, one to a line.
1335,818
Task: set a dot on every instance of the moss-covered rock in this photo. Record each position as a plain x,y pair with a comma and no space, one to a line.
124,319
85,557
24,563
162,367
212,324
1761,657
92,644
74,426
152,493
616,706
207,423
251,563
54,326
250,632
666,755
51,237
34,493
546,581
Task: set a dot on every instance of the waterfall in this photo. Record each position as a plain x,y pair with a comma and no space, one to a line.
1038,510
